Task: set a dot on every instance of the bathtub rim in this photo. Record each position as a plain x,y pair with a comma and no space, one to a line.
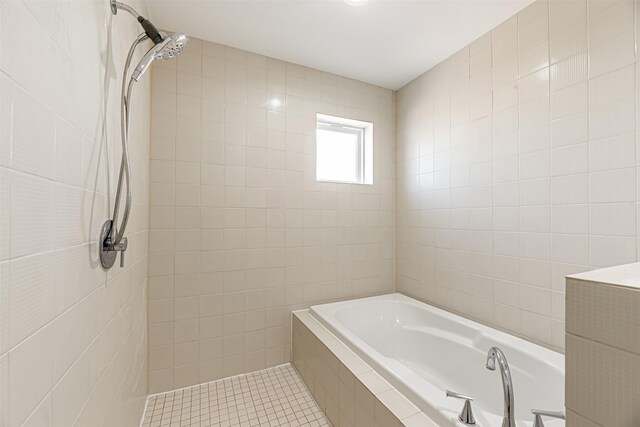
554,355
324,313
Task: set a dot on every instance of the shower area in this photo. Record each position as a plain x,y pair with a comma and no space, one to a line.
157,218
73,346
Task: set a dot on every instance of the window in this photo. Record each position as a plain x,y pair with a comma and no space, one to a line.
344,150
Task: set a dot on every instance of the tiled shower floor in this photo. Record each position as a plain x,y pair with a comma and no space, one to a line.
271,397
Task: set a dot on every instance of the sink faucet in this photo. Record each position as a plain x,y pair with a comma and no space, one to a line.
508,419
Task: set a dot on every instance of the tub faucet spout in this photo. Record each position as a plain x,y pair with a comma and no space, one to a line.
494,354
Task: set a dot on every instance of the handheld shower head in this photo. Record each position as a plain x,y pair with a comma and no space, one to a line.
113,230
164,47
168,48
177,43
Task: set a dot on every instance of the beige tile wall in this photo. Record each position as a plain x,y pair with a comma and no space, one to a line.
72,337
516,165
603,356
241,232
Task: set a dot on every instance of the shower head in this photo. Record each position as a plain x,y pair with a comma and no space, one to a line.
176,44
168,48
164,47
112,235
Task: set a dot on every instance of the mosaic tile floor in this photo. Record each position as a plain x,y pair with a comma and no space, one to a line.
272,397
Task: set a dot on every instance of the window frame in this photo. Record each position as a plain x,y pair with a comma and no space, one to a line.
364,158
349,130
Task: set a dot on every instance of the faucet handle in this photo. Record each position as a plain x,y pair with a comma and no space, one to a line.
466,415
122,247
539,413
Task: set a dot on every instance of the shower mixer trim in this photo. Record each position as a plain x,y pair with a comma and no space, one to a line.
112,238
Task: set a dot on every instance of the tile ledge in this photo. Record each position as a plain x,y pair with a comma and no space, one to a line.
626,276
401,407
418,420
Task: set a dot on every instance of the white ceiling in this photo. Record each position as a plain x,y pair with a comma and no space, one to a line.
384,42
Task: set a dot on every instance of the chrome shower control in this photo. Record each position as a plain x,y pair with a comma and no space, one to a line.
164,47
109,251
466,415
539,413
122,247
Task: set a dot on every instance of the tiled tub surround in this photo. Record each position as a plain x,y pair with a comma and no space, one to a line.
241,232
271,397
424,351
72,337
603,350
347,390
517,164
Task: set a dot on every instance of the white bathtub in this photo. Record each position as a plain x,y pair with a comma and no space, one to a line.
423,351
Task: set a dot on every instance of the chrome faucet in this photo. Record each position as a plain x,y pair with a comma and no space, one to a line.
508,419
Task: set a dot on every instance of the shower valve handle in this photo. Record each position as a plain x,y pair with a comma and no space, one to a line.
122,247
108,251
466,415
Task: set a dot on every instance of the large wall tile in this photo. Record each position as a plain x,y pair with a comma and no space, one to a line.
602,382
241,231
548,149
72,337
607,314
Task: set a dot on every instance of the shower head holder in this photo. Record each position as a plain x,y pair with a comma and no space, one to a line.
150,30
165,47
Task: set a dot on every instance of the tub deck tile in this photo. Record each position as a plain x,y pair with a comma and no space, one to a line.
419,420
350,392
398,404
374,382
